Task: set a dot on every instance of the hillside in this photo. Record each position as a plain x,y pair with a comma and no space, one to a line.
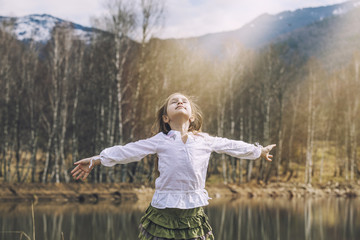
267,28
306,31
333,41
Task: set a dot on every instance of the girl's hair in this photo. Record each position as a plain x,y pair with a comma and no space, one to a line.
195,126
161,126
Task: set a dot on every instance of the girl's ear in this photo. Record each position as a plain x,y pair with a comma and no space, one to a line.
165,118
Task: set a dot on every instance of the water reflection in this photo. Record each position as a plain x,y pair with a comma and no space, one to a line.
332,218
287,219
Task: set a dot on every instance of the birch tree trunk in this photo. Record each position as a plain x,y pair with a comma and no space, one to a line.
63,112
241,137
310,130
325,146
334,90
295,105
120,61
250,163
111,131
8,48
33,104
21,86
353,145
17,139
280,141
266,136
74,140
50,130
352,114
119,71
5,69
79,59
6,159
34,146
63,120
353,128
220,130
54,96
232,124
266,96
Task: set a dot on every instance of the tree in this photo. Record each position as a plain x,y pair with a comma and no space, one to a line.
56,123
30,70
9,50
121,22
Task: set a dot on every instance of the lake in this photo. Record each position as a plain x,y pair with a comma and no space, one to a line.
295,219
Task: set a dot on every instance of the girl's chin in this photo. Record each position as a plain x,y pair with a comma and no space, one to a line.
181,114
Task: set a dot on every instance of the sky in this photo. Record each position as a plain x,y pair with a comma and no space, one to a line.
183,18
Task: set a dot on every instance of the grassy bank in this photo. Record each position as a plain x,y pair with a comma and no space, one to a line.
124,192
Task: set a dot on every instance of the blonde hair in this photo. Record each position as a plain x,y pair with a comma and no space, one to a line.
195,125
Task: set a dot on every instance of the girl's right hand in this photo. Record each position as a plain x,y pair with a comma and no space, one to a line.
83,168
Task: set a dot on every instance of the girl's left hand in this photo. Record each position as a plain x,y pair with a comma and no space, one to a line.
265,152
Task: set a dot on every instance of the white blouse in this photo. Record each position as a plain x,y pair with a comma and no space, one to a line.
182,166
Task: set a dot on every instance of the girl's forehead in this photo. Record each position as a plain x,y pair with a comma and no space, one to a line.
177,96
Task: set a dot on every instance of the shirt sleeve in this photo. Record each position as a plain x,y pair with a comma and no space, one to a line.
235,148
130,152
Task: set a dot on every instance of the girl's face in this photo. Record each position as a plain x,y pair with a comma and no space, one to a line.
178,107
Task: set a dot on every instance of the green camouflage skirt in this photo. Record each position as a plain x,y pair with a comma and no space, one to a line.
174,223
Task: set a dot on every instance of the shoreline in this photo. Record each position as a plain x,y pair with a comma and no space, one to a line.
125,192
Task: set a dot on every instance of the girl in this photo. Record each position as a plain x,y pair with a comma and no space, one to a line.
176,210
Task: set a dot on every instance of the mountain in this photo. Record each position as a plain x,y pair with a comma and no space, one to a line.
259,32
306,30
267,28
333,41
38,27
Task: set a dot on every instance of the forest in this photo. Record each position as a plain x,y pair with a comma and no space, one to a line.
69,99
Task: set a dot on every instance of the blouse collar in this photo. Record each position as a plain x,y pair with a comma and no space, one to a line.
173,134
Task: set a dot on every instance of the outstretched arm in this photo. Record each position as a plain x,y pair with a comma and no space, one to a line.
240,149
130,152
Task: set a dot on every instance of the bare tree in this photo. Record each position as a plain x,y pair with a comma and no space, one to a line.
232,68
8,48
32,96
220,127
311,115
352,80
121,22
78,61
294,103
151,20
268,73
56,125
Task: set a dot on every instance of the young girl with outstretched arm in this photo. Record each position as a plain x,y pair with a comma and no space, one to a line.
176,210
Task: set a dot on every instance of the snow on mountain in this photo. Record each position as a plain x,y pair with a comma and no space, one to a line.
38,27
